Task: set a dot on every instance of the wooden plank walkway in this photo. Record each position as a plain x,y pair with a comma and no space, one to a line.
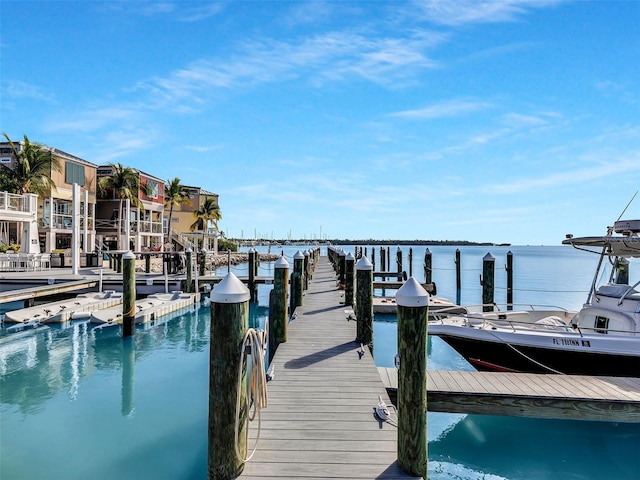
320,420
577,397
46,290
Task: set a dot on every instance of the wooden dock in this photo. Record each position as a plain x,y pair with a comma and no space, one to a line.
46,290
576,397
320,421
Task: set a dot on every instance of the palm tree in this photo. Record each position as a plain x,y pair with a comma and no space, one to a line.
175,194
208,212
125,184
32,170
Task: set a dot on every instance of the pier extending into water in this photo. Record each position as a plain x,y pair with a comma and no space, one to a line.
320,421
321,418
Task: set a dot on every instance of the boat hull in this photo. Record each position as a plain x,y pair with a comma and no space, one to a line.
485,355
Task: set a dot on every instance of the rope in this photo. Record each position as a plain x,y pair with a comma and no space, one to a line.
383,413
541,365
257,389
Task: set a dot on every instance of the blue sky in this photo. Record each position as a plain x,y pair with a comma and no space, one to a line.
510,121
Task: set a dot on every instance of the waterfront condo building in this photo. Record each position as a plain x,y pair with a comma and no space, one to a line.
54,209
181,233
144,222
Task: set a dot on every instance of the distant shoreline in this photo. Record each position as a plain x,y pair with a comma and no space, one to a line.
418,242
370,242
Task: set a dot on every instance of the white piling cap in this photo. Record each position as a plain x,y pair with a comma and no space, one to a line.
298,256
489,258
350,257
412,294
230,290
128,255
281,263
364,264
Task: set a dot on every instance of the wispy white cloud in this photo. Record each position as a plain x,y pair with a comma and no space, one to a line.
92,119
196,12
20,89
313,12
621,91
450,108
122,143
461,12
203,148
334,56
177,11
597,171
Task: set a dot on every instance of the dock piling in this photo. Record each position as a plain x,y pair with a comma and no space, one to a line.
297,281
413,302
364,301
488,282
349,278
458,279
279,314
428,262
509,269
229,324
189,267
253,267
128,294
203,262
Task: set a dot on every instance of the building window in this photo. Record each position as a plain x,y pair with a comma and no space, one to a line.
5,160
74,173
151,189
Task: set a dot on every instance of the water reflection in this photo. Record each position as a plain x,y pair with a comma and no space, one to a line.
128,370
37,364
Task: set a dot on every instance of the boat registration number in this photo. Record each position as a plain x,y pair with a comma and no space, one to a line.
570,342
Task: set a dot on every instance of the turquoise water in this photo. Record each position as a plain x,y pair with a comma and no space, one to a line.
77,403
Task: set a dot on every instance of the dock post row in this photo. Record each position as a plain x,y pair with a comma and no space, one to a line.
320,421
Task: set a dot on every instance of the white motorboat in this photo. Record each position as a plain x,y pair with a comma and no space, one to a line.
603,338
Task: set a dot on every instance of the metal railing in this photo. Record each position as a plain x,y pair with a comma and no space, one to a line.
14,202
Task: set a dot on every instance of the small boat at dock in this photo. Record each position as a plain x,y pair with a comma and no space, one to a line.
65,310
147,309
602,338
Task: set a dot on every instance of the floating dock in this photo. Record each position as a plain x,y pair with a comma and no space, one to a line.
574,397
65,310
320,421
148,309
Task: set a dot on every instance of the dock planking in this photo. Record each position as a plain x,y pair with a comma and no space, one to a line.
320,420
575,397
46,290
